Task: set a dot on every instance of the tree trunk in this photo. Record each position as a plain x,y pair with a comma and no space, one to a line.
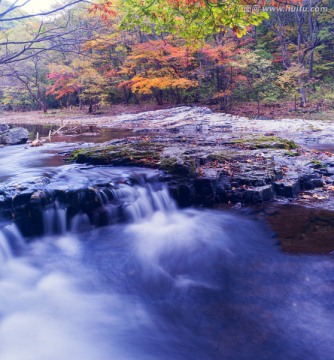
302,93
158,94
43,106
312,41
295,102
90,109
310,68
302,97
80,103
219,83
300,20
127,95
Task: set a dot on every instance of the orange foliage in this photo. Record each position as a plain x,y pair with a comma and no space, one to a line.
105,10
147,86
222,54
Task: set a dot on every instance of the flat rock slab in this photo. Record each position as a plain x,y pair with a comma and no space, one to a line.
210,164
211,158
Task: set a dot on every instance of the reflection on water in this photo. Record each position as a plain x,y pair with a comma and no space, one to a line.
19,163
303,230
323,147
76,133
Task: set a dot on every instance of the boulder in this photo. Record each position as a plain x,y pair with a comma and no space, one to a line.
13,136
3,128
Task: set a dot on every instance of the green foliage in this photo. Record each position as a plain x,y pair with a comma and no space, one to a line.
192,20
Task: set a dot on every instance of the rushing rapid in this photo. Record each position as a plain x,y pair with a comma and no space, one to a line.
163,283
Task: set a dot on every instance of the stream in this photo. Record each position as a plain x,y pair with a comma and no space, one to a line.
164,283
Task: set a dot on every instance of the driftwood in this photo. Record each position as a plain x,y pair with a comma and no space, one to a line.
36,142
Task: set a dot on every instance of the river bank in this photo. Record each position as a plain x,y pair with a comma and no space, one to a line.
211,158
206,159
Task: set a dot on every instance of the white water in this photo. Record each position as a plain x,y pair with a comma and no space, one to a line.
49,312
167,284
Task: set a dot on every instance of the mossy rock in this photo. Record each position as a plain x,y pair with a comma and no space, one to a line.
145,154
292,153
266,142
178,168
317,164
125,154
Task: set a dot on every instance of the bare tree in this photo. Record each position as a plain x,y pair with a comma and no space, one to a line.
30,75
6,13
47,33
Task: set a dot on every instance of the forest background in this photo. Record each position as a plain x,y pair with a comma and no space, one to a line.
256,59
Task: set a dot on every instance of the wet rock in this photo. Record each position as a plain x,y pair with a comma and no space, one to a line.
310,181
289,188
326,171
182,193
205,190
224,182
3,128
39,196
22,198
203,164
36,143
259,194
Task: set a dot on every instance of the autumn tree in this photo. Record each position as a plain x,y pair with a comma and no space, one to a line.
289,81
215,70
80,78
14,96
256,78
305,42
157,67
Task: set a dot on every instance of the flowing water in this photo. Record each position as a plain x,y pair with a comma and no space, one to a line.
162,283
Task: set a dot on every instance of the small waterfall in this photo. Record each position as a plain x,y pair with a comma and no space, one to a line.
55,220
104,200
11,242
5,249
124,202
147,201
80,223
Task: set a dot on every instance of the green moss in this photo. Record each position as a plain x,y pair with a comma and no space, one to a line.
317,164
178,168
220,157
291,153
168,163
266,142
125,154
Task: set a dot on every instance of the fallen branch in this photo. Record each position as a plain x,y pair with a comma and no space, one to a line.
55,132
